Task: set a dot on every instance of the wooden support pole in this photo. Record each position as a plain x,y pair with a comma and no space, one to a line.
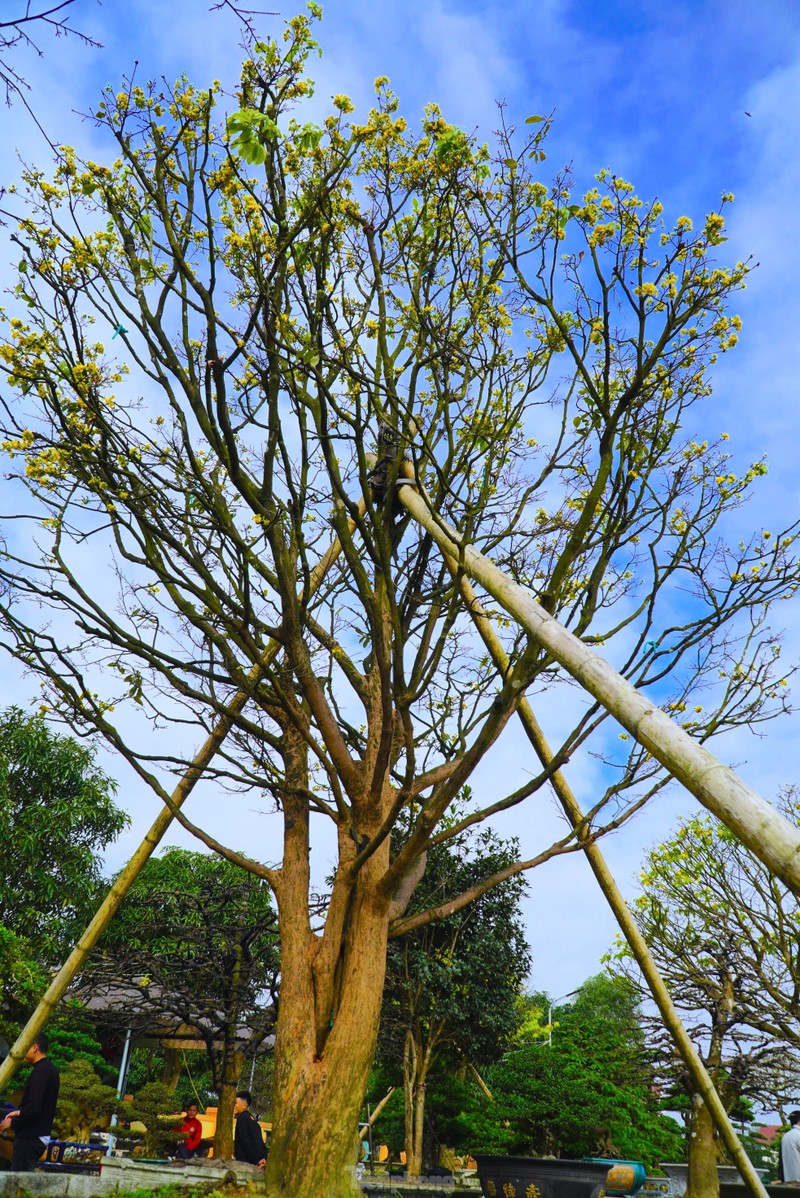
113,900
758,825
627,924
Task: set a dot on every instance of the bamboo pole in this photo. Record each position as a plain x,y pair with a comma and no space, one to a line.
758,825
113,900
627,924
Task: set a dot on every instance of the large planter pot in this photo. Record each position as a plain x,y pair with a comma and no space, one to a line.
534,1177
678,1175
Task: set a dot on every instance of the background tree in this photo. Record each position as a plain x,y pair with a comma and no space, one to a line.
71,1036
588,1092
288,297
452,987
83,1100
195,943
22,981
154,1106
57,814
724,934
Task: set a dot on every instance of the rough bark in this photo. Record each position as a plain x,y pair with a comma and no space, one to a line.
416,1066
319,1088
331,992
231,1068
703,1177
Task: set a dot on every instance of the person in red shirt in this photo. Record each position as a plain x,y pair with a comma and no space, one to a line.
192,1129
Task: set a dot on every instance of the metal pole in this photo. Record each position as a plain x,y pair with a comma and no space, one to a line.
121,1084
369,1141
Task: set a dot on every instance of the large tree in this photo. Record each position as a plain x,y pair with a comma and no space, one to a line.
194,945
214,332
723,931
452,986
57,814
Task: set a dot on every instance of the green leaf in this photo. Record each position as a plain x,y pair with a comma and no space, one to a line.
534,120
309,137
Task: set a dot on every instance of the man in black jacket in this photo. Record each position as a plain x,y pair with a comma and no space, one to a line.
248,1142
33,1122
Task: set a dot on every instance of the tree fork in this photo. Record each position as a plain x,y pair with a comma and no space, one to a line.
113,900
766,833
638,945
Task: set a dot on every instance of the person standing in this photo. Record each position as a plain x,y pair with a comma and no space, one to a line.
32,1123
790,1150
248,1142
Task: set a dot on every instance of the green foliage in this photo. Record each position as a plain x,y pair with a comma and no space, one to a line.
154,1106
71,1035
588,1094
195,940
198,1191
56,815
22,981
83,1101
249,131
532,1019
456,981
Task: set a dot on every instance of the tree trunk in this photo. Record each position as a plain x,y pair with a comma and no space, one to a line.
703,1176
326,1031
232,1061
409,1079
172,1069
318,1096
414,1149
416,1064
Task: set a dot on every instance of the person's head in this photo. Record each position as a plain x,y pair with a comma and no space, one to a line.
794,1118
38,1049
191,1110
243,1100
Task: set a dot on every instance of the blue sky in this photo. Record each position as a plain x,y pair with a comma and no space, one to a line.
660,93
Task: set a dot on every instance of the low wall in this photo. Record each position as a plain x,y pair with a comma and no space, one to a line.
125,1174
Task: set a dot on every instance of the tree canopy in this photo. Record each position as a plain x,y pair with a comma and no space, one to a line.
233,339
195,944
57,814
